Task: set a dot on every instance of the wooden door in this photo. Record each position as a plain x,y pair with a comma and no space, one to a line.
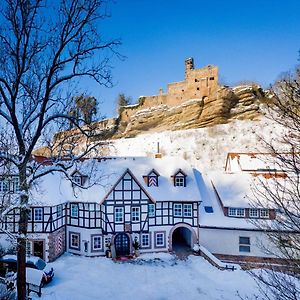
122,244
38,249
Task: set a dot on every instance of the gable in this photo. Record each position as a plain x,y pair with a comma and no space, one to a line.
128,188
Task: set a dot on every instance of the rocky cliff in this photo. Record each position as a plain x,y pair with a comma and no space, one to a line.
241,102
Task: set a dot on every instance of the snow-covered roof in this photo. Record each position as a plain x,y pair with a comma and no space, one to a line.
102,174
253,162
217,217
234,190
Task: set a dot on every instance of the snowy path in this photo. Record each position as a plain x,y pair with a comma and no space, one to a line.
148,278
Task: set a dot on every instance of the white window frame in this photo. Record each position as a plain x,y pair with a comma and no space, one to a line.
119,214
38,214
135,214
236,212
99,239
244,246
187,210
254,213
240,212
77,245
74,210
147,236
159,237
177,210
179,181
264,213
151,210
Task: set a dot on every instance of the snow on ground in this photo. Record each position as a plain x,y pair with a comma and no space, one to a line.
205,148
150,277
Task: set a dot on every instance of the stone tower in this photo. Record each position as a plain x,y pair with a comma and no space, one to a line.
189,65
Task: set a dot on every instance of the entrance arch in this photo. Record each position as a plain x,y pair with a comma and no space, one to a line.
122,244
182,235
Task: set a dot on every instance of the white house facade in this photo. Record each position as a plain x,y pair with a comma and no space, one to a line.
151,201
115,202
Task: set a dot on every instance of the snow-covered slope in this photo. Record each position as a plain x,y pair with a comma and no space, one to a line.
205,148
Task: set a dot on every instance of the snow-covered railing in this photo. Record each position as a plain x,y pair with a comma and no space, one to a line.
215,261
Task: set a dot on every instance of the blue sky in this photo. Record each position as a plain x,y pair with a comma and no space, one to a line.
249,40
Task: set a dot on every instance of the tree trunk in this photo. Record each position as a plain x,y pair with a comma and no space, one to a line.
21,249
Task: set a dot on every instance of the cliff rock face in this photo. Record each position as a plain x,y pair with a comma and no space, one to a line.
197,101
242,102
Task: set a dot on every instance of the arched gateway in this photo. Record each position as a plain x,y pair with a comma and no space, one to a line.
182,236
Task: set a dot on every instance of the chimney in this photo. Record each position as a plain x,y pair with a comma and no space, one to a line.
158,154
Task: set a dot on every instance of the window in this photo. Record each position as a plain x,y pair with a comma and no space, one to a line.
15,181
236,212
253,213
208,209
244,244
187,210
159,239
74,210
29,212
38,214
4,186
151,210
179,181
59,210
119,214
107,242
75,241
177,210
264,213
77,179
97,242
135,214
145,240
28,247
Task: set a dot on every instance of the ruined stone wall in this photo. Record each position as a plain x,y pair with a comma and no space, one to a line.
198,101
198,84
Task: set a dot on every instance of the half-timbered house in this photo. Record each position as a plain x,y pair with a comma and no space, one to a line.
154,201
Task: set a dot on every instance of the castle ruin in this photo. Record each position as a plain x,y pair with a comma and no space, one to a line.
198,84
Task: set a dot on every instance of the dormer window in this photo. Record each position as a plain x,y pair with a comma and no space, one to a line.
10,184
4,185
152,178
78,179
179,178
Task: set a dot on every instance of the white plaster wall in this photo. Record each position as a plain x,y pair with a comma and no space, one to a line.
85,235
222,241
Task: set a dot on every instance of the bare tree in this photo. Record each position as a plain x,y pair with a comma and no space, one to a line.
46,47
282,192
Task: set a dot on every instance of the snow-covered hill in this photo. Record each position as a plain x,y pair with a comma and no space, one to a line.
205,148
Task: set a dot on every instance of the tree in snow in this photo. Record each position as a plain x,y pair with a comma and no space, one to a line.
84,109
46,47
282,192
122,100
